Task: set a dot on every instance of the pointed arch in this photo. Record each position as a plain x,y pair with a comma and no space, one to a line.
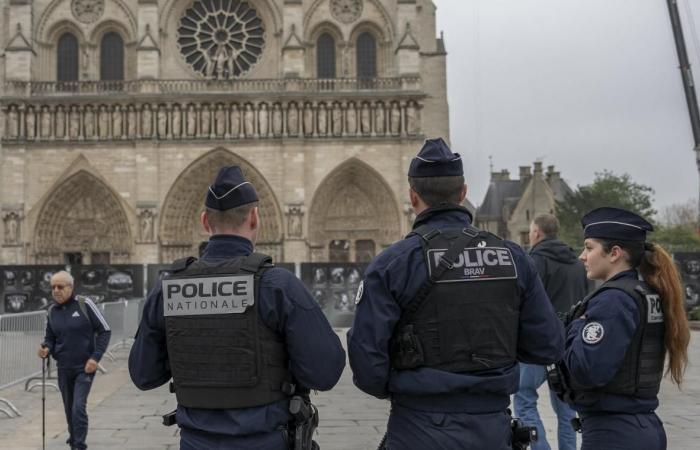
353,204
81,214
180,230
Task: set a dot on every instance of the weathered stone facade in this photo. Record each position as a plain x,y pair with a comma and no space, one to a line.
116,170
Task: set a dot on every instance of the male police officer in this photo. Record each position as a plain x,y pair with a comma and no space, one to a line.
237,335
443,316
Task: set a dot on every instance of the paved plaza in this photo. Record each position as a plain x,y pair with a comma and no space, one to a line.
123,417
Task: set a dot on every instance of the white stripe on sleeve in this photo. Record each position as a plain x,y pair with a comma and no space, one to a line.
97,314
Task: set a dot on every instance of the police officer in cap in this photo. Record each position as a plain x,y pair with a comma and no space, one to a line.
618,337
237,335
444,315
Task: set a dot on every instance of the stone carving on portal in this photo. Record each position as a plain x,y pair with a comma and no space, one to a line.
147,228
12,225
295,217
205,121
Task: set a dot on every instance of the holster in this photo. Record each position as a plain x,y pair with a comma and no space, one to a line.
521,435
303,425
407,352
170,418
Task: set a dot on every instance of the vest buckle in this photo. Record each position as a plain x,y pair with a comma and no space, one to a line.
444,262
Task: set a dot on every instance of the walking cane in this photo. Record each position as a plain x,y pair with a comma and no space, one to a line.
43,402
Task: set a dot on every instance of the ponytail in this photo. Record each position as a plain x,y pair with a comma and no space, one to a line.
659,271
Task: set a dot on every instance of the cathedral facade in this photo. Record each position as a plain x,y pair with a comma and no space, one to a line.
115,115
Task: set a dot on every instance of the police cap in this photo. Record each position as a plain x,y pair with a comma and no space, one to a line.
230,190
435,159
615,223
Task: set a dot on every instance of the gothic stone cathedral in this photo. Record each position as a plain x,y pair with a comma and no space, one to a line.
116,115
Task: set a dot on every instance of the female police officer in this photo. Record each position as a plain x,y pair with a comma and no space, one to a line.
618,336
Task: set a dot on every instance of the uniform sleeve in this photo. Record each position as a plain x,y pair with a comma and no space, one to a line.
101,328
376,315
317,358
541,333
596,344
49,337
149,367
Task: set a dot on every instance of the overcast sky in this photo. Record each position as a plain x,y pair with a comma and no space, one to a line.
585,85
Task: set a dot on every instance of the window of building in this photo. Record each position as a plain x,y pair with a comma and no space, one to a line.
325,56
73,258
67,58
364,250
99,258
366,56
112,57
339,251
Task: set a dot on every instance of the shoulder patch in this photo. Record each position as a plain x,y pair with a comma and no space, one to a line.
360,291
593,333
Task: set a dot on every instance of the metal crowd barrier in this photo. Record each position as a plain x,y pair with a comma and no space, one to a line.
21,334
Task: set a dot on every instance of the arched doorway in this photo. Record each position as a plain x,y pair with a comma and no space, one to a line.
180,230
82,222
354,215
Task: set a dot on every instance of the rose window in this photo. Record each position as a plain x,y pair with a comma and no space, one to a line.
221,38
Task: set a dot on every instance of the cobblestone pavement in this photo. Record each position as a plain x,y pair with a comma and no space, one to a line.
123,417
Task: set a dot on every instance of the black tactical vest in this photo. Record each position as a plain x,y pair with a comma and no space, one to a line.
465,317
642,368
222,356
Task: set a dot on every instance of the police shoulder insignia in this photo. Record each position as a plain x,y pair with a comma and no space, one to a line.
593,333
360,291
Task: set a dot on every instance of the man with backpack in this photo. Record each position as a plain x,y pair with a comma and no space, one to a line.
77,336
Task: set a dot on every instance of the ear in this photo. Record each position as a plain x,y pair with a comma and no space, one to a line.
616,254
204,220
463,194
415,198
253,218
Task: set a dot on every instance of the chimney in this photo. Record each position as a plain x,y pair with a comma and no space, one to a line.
500,176
525,173
538,168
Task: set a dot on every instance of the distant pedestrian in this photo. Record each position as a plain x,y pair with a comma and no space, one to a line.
77,336
564,280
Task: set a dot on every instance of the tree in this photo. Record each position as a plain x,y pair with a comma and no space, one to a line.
607,189
677,229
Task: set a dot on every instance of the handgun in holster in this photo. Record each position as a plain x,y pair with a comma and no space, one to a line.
304,424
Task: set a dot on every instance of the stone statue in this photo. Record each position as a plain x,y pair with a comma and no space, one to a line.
13,122
294,222
74,127
322,119
117,131
60,131
146,121
191,120
131,122
263,120
292,119
45,122
162,119
206,121
395,120
308,119
235,121
147,226
411,119
89,122
177,121
220,119
379,120
337,119
277,120
249,121
351,119
365,119
103,122
30,123
12,229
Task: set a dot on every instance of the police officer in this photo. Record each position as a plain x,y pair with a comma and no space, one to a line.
238,336
615,347
444,315
77,336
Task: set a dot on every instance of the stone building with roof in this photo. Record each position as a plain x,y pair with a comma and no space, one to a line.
510,204
116,114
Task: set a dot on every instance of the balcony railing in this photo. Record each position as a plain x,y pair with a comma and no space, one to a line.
246,86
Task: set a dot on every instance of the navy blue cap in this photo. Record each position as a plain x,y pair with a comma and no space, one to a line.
436,159
230,190
615,223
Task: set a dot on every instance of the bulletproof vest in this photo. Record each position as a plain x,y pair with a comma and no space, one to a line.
465,317
642,368
222,356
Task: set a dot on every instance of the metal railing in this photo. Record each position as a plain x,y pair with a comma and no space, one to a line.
21,334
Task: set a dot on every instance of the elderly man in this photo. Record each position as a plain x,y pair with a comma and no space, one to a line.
76,336
242,340
444,315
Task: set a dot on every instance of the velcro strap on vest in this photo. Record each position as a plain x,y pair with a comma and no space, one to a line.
255,261
181,264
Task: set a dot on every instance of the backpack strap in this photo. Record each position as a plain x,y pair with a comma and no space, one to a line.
255,262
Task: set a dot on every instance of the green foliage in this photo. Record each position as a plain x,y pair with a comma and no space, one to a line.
608,189
676,238
694,314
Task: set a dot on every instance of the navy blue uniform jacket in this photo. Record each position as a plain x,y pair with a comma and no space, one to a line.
595,364
391,282
72,339
316,355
